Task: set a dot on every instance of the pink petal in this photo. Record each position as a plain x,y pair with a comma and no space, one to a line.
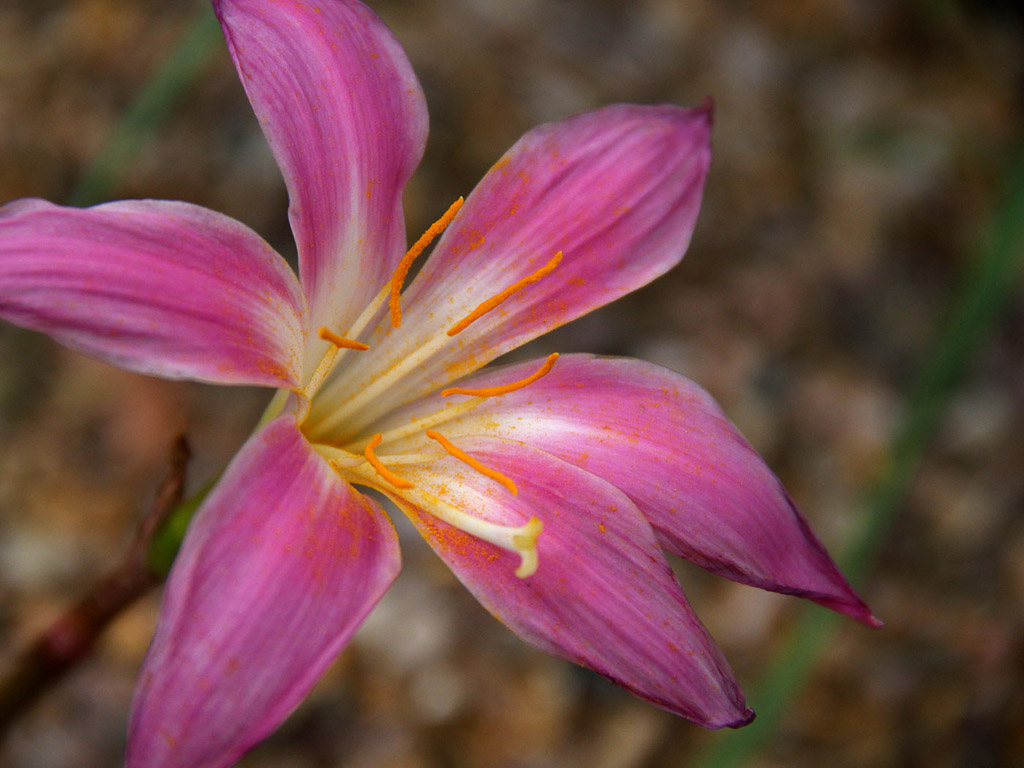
602,596
163,288
664,441
281,565
617,191
347,122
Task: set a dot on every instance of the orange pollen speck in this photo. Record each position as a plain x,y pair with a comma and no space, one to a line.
461,455
340,341
417,248
494,301
504,389
383,471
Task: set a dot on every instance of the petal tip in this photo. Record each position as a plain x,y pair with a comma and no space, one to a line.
707,109
740,716
872,621
849,604
746,719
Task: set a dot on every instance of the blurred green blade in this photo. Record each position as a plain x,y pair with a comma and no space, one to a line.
151,109
986,290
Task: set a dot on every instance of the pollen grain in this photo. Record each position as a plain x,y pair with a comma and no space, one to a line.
504,389
461,455
398,278
494,301
383,471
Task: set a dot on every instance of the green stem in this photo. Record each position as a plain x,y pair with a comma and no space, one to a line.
166,542
994,277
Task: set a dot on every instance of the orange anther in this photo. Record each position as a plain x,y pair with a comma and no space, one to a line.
383,471
494,301
340,341
461,455
504,389
410,256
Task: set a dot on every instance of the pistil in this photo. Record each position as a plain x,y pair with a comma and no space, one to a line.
519,539
522,539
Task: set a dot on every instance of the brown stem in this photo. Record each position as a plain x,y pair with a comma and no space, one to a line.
72,636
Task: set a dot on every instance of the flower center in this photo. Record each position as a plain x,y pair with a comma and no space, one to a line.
358,459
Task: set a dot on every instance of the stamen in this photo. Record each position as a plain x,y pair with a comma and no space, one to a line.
417,248
504,389
327,362
383,471
341,342
494,301
461,455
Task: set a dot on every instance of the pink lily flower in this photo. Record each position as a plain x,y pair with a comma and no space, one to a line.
551,488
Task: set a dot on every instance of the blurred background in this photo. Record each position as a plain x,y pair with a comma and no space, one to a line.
862,149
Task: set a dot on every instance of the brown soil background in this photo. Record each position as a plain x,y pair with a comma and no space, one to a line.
859,148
